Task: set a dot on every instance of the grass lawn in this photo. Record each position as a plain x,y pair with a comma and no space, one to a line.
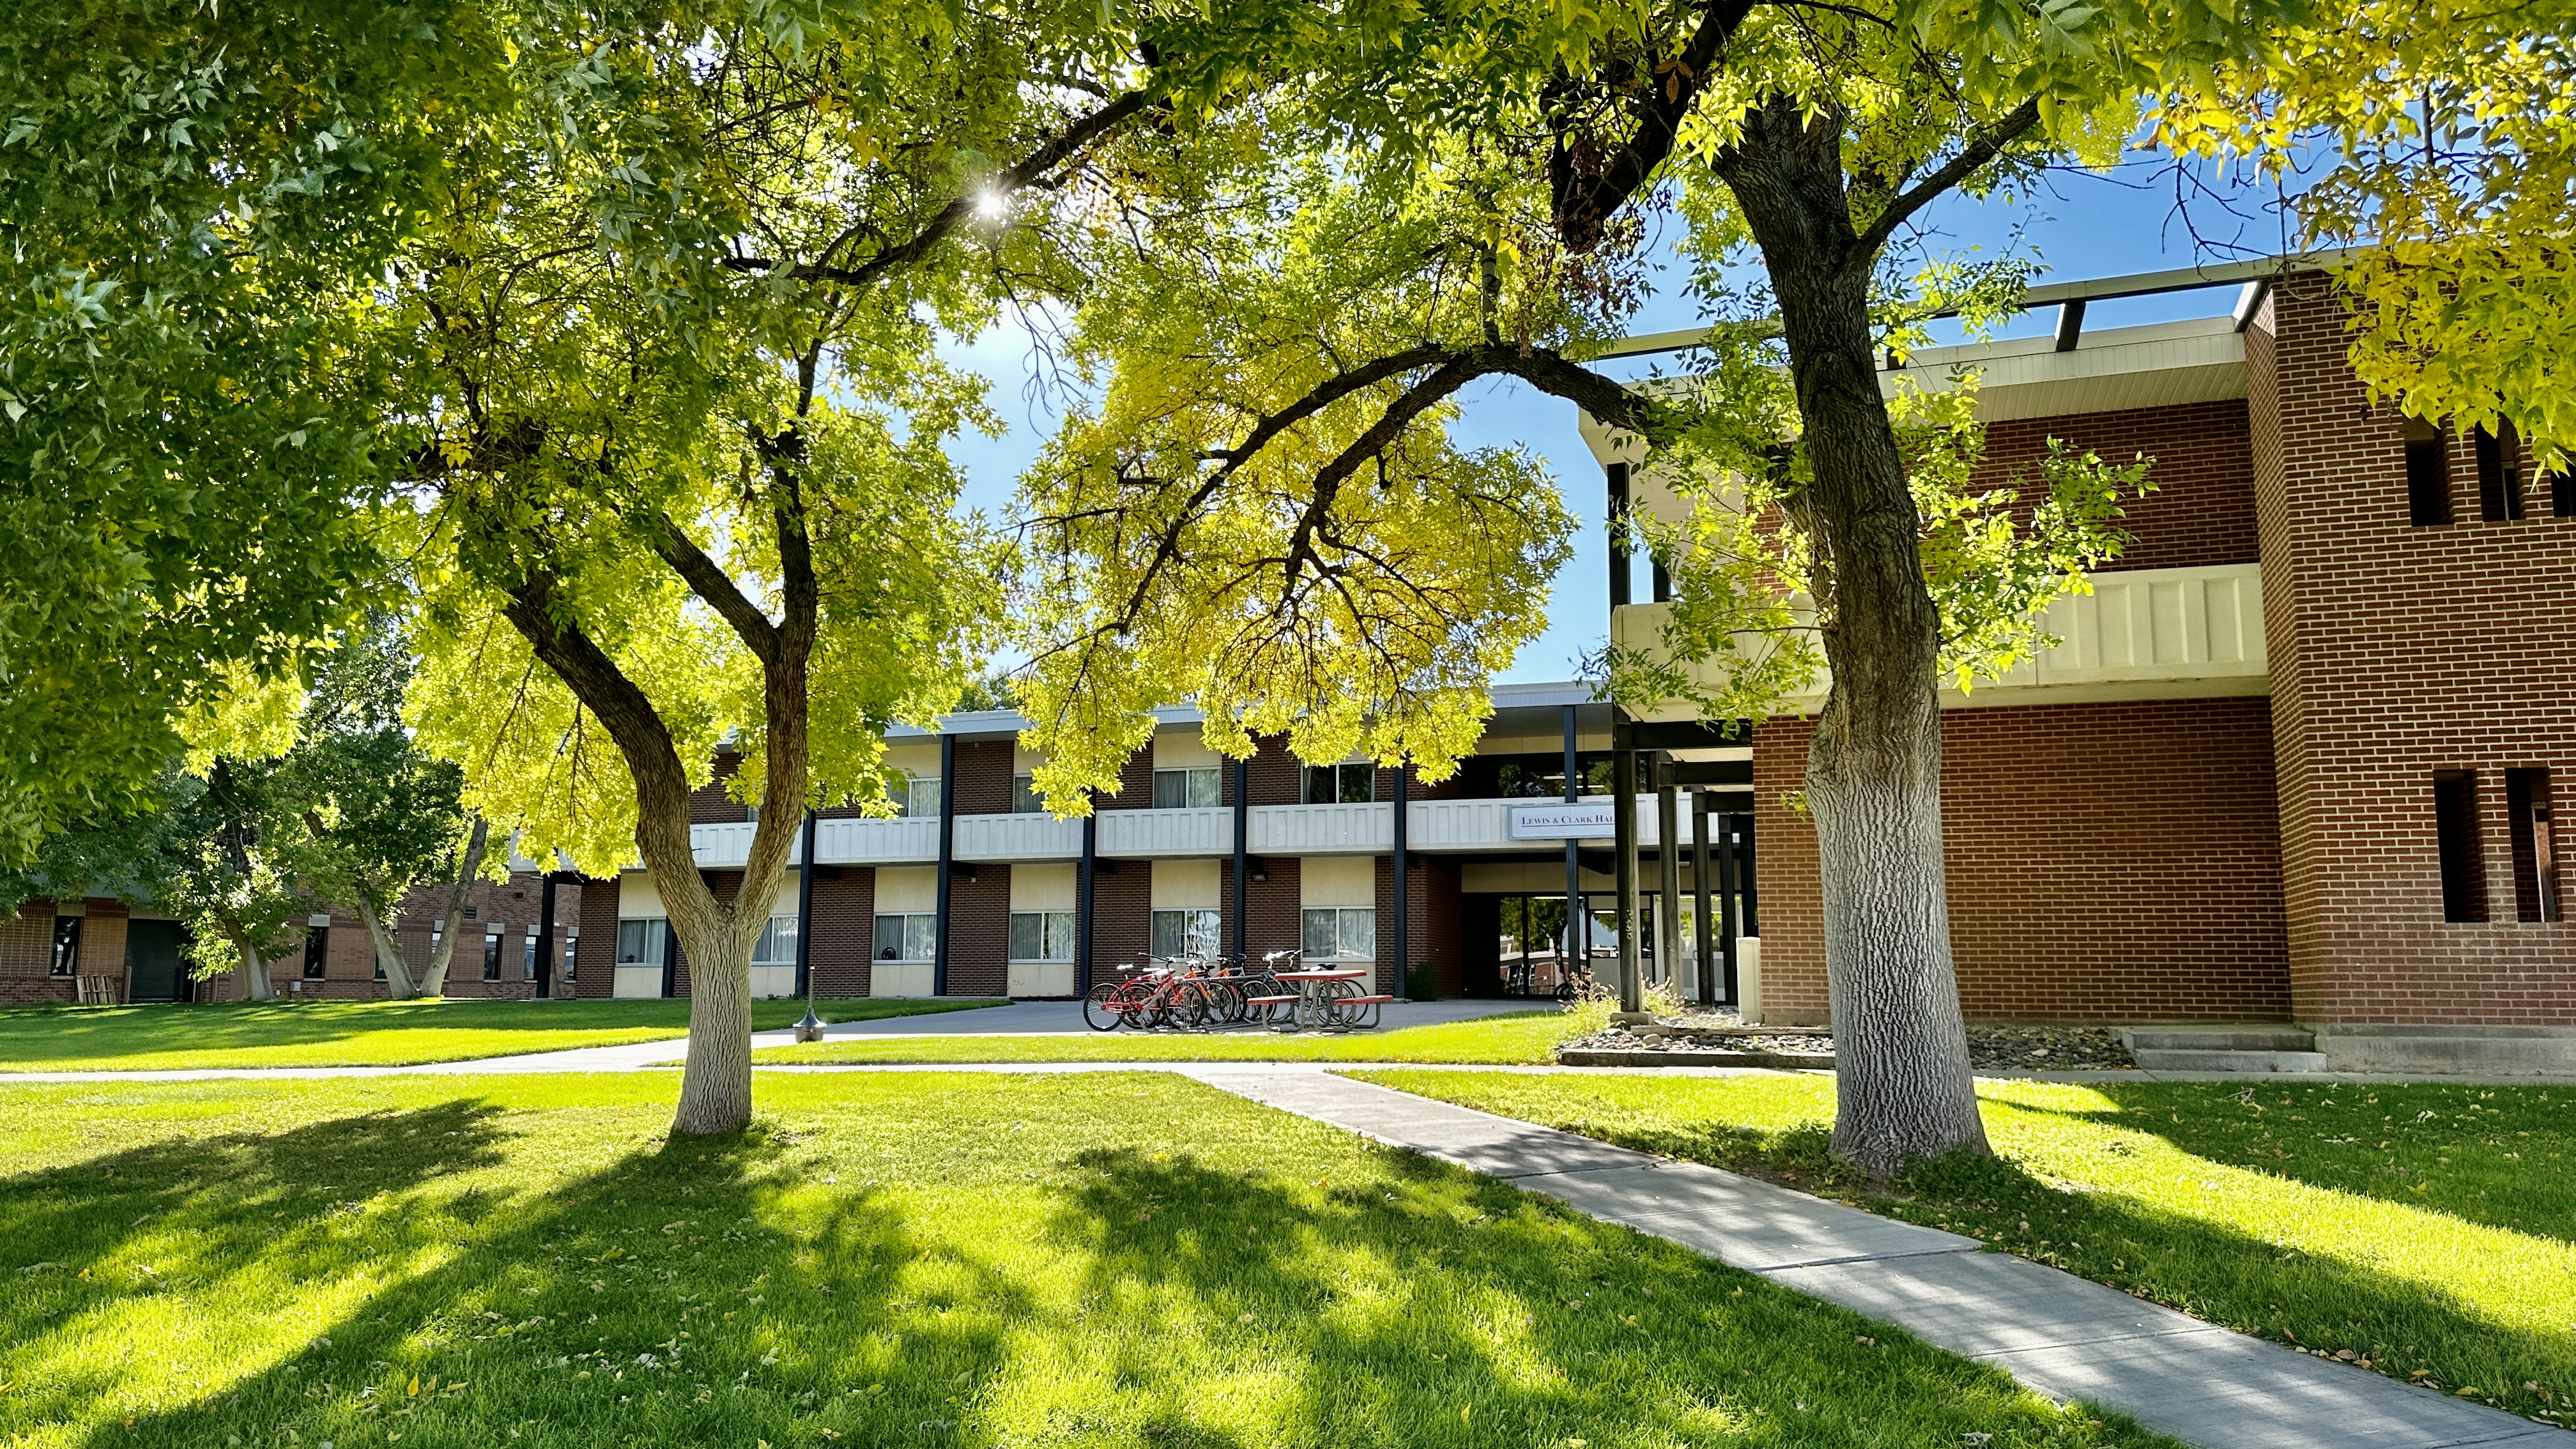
363,1033
1494,1040
2429,1230
923,1259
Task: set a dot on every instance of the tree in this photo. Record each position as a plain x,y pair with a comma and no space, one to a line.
1481,212
675,420
381,815
198,201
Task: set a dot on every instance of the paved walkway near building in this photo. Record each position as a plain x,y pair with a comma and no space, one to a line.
2062,1335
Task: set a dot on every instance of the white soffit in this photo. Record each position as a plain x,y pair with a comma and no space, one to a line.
2169,364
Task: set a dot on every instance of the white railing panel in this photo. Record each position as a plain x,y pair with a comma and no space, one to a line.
905,840
1320,829
1155,834
1033,836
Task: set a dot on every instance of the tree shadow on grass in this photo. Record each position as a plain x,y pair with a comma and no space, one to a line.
2205,1267
648,1301
1421,1304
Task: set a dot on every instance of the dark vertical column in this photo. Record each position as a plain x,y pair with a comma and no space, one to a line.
1668,876
1578,931
805,911
670,958
1623,814
1663,583
546,935
1403,893
947,859
1744,863
1085,920
1701,940
1618,524
1727,925
1242,854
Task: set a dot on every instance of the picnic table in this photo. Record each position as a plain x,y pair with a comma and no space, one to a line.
1328,999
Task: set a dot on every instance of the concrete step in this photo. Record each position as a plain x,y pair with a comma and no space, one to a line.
2221,1037
2194,1060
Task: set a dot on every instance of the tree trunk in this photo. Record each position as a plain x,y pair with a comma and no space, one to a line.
398,984
433,983
1874,761
255,983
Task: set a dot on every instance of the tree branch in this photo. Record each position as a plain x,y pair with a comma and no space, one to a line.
710,582
1583,207
1980,149
1026,171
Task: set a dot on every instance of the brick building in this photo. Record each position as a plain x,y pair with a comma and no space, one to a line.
2292,763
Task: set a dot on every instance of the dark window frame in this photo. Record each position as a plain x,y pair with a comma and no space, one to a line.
2499,458
2528,814
2428,474
66,952
317,951
2459,846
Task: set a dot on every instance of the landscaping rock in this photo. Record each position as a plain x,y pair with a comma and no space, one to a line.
1704,1040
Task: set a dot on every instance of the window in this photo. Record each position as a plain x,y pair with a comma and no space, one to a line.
1351,784
2535,853
916,796
317,950
571,950
2455,822
1042,935
2499,473
1025,799
908,938
2562,493
1185,933
66,945
2428,475
1188,789
436,933
640,941
777,944
1341,933
492,956
528,961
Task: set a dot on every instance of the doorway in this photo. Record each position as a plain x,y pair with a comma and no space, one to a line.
153,970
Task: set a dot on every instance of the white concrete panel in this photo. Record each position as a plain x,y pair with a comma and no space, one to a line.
1156,834
861,841
1183,749
921,761
899,978
906,890
1337,881
1041,888
634,981
1016,837
1320,829
1188,885
773,981
1527,877
637,899
1038,978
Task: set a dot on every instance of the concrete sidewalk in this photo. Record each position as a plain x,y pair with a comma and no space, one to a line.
2062,1335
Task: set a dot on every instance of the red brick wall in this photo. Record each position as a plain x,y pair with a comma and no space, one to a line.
709,804
1276,776
2202,512
984,777
595,959
2396,652
844,927
1432,923
1122,896
2104,862
1271,920
1135,784
979,923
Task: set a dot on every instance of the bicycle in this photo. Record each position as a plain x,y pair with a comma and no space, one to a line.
1576,983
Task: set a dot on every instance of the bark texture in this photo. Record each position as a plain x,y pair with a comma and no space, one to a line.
255,983
398,982
1874,762
469,864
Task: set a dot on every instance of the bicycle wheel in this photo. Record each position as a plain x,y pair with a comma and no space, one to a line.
1189,1006
1101,1009
1564,991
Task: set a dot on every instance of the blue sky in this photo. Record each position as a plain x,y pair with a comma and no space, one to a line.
2081,226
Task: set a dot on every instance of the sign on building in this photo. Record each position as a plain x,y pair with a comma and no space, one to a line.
1586,820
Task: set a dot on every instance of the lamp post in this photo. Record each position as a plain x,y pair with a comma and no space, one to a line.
810,1027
